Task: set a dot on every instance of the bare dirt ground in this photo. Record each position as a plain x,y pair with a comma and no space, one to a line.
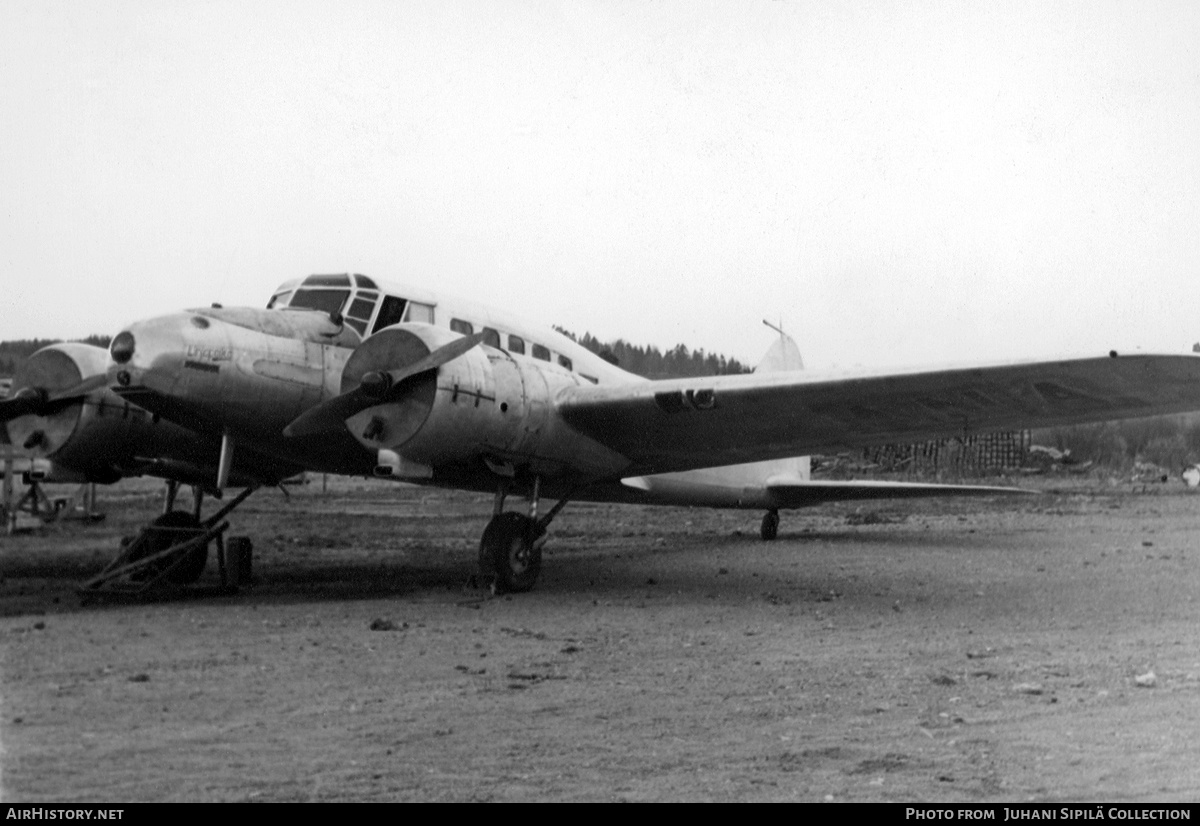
953,650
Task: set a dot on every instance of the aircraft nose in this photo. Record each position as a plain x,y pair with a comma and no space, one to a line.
122,347
146,352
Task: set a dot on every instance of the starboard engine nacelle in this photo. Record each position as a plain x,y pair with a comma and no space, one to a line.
485,404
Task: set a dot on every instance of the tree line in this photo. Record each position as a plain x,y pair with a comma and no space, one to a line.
12,353
1170,442
651,363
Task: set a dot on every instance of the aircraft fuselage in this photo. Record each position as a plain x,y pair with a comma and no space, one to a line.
247,373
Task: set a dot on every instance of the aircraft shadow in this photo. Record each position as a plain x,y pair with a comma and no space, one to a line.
690,566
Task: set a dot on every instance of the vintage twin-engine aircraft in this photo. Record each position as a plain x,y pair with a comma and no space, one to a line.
343,374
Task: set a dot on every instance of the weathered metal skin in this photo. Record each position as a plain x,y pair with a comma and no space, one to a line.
227,372
216,371
251,372
485,404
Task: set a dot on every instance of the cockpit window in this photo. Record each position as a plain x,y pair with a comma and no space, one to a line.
361,308
280,299
329,301
327,281
359,314
392,312
365,282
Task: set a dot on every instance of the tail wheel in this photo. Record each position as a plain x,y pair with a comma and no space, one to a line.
509,552
178,523
770,525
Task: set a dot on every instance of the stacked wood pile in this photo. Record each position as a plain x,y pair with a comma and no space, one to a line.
990,451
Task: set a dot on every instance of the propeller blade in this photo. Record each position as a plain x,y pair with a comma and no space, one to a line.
27,402
375,388
38,401
80,390
434,360
329,415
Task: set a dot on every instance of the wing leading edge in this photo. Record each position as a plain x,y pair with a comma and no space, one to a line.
666,426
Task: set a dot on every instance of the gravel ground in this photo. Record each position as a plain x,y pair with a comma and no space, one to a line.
937,651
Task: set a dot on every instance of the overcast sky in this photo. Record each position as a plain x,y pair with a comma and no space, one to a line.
899,183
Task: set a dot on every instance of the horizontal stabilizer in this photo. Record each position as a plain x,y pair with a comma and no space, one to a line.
799,494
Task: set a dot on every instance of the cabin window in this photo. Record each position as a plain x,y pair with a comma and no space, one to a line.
329,301
565,362
491,338
462,327
390,312
420,312
516,344
540,352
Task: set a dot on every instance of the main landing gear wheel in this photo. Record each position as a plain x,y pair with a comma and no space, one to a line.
770,525
509,550
179,522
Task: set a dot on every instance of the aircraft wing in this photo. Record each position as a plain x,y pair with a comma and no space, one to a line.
664,426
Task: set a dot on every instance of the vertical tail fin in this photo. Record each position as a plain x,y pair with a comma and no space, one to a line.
782,356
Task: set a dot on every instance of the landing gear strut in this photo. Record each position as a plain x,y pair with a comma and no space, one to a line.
770,525
510,551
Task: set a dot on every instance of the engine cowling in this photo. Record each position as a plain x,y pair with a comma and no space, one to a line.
93,437
56,367
487,403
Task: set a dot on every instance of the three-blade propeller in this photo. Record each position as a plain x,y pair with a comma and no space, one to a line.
376,387
38,401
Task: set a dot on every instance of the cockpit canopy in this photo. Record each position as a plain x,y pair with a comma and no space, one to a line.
363,308
355,298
